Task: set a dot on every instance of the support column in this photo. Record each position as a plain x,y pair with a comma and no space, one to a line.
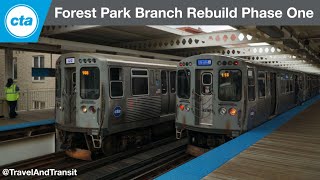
8,63
6,56
2,70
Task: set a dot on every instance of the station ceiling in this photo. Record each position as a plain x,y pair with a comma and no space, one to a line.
108,35
292,47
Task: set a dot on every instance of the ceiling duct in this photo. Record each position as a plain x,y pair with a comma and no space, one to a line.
291,44
272,31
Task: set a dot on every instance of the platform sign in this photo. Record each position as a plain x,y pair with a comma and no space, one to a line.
117,111
204,62
43,72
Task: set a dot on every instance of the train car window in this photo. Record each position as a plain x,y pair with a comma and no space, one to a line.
140,72
251,85
261,84
58,82
164,82
183,84
115,74
116,86
89,83
139,82
173,81
230,85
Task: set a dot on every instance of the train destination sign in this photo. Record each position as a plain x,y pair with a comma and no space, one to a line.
70,60
204,62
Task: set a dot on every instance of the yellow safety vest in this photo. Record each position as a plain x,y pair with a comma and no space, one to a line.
11,93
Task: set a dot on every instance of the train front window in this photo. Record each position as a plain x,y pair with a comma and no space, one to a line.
90,83
230,85
184,84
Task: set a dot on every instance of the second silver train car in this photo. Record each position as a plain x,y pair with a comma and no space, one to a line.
220,97
110,102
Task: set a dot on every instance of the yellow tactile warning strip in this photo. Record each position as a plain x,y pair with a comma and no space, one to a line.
291,152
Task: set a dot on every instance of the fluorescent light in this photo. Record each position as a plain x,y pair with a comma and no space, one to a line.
213,28
228,46
259,44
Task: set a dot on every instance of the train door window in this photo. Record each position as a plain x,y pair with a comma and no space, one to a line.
251,85
183,84
283,84
116,86
173,81
206,83
287,82
90,83
291,84
261,84
164,82
139,82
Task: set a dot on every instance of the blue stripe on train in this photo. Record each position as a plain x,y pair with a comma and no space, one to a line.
210,161
27,125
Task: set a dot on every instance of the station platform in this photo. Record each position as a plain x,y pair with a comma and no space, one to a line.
27,119
26,124
286,147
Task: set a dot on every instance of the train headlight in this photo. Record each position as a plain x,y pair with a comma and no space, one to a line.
187,108
233,111
84,109
92,109
222,111
181,107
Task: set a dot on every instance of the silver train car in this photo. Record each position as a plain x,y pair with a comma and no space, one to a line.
110,102
220,97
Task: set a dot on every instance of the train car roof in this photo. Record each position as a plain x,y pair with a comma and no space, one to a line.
257,64
128,59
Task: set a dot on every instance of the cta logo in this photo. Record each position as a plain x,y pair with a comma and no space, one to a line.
21,21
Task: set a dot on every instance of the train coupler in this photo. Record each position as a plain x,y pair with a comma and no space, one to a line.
96,141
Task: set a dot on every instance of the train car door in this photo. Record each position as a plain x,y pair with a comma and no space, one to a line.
205,97
165,99
70,95
296,89
172,98
273,93
251,104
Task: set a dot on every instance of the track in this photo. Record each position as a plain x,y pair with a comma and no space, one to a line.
129,164
160,167
139,163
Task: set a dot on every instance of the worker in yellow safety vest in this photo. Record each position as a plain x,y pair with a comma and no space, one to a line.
12,96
